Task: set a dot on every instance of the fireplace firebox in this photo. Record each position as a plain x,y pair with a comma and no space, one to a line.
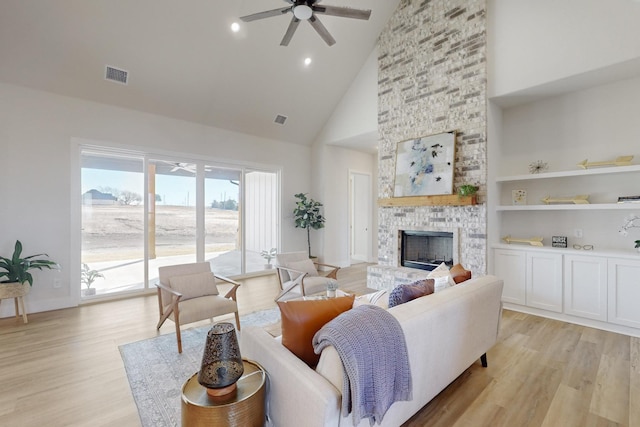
426,249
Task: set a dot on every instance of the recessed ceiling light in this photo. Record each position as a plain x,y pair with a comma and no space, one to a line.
235,27
307,61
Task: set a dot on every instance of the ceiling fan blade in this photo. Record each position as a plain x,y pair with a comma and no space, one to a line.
317,25
345,12
293,26
266,14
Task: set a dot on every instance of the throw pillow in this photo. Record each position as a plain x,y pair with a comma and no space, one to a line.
194,285
442,277
302,319
405,293
379,298
306,266
459,273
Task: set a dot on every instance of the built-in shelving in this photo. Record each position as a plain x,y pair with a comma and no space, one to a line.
571,173
571,207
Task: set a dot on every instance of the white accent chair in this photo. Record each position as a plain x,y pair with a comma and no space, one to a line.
188,293
298,275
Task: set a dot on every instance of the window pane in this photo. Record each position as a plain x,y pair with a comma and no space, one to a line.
172,214
112,223
222,220
261,198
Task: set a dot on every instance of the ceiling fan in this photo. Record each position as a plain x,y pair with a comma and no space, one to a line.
306,10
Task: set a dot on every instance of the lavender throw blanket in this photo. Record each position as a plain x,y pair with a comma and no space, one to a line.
374,356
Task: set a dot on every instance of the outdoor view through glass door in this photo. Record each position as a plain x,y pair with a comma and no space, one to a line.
112,246
195,211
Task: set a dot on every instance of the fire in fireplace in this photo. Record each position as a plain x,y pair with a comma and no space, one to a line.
426,249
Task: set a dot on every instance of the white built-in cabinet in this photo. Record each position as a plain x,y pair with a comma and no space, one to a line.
624,292
601,290
585,286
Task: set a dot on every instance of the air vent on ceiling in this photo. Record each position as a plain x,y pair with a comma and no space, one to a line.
280,119
116,75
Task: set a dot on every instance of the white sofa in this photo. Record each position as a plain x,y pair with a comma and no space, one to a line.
446,332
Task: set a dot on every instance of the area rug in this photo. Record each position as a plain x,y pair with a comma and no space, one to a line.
156,371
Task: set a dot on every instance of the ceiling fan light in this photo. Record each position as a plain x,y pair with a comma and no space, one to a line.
302,12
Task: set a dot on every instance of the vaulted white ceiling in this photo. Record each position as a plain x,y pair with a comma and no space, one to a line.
184,62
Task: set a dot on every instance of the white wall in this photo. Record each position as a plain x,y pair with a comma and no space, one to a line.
336,164
357,112
535,42
36,130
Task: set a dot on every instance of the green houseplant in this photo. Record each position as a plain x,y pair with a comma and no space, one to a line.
16,269
307,215
467,190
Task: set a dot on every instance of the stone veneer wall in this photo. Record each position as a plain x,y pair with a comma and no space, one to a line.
432,79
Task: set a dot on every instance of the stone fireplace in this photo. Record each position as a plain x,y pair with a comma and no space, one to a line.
432,79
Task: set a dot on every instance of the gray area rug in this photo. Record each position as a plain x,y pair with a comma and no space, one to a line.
156,371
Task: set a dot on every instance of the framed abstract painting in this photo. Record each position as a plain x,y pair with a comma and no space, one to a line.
424,166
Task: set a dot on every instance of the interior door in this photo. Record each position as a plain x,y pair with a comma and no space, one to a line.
360,185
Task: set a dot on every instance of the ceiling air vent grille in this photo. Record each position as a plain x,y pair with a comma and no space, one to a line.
280,119
116,75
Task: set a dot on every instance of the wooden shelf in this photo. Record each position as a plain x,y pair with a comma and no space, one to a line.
571,207
566,174
442,200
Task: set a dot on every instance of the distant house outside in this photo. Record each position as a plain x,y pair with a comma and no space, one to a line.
95,197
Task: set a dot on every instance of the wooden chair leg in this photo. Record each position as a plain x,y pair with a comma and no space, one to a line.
179,338
237,320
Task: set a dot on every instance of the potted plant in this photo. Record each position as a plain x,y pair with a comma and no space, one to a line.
307,215
467,190
15,280
87,277
268,255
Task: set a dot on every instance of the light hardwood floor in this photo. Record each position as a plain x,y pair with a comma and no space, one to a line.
64,368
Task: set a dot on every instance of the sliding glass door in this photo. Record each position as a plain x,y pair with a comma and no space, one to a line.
143,212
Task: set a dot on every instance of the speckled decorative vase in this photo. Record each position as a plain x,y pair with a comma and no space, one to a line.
221,361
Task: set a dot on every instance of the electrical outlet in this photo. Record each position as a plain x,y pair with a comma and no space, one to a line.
578,233
57,283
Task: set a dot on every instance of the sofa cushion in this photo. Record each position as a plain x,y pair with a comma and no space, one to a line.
301,319
459,273
407,292
194,285
442,277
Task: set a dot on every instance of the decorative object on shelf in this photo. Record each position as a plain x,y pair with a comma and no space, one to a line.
332,287
631,221
580,199
559,241
583,247
221,364
619,161
467,190
87,277
424,166
268,255
307,215
533,241
519,197
629,199
538,166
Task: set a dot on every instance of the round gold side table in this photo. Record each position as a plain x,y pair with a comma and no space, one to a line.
243,409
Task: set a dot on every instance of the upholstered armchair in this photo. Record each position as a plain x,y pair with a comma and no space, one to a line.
298,275
188,293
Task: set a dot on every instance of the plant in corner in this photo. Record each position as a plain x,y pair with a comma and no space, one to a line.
17,268
307,215
87,277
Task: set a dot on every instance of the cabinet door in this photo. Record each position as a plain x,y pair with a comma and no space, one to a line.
585,286
624,292
510,267
544,281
